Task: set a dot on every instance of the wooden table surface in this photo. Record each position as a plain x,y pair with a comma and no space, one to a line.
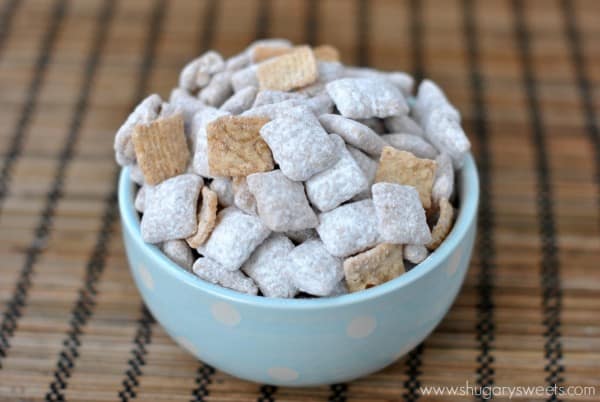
523,73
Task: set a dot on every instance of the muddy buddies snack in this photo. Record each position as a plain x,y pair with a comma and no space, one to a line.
284,173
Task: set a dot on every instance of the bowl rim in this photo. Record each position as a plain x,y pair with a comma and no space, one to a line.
469,194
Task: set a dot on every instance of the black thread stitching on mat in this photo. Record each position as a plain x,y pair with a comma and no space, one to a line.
583,82
550,275
485,307
205,371
414,358
143,338
267,393
14,307
143,334
338,392
83,308
6,17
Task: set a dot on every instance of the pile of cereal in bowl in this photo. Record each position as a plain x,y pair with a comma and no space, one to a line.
282,172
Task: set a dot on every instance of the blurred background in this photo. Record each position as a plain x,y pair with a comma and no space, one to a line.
525,76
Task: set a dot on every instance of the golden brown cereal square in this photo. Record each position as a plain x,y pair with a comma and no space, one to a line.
373,267
443,225
326,53
295,69
265,52
235,147
207,217
402,167
161,148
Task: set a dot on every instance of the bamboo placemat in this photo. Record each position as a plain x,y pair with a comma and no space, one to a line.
523,73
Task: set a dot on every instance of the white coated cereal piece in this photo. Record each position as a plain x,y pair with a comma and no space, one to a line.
144,113
349,229
242,197
180,99
295,108
411,143
200,144
179,252
238,62
403,124
234,238
400,214
218,90
443,183
374,124
282,204
223,186
368,167
197,73
246,77
269,267
140,199
354,133
361,98
402,80
330,71
213,272
415,253
446,134
301,148
314,270
240,101
170,209
270,96
345,179
136,174
300,236
320,103
430,97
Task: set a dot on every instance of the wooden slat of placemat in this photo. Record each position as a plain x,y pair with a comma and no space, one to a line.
430,38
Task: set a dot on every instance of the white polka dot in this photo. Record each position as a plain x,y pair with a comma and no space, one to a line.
282,374
225,314
186,344
361,327
146,277
454,263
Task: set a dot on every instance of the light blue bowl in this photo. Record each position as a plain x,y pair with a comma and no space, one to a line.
301,342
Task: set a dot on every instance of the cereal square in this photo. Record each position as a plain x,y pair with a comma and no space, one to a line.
400,215
354,133
235,147
373,267
289,71
170,209
207,218
349,229
345,179
282,204
199,123
314,270
213,272
402,167
234,238
414,144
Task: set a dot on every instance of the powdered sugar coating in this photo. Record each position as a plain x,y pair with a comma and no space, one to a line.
136,174
234,238
197,73
140,199
430,97
240,101
282,204
402,80
411,143
270,96
270,268
400,214
361,98
243,78
349,229
242,197
200,121
320,103
179,252
354,133
345,179
300,236
314,270
293,108
213,272
368,167
170,209
443,184
301,148
144,113
403,124
374,124
223,186
218,89
445,132
415,253
189,105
